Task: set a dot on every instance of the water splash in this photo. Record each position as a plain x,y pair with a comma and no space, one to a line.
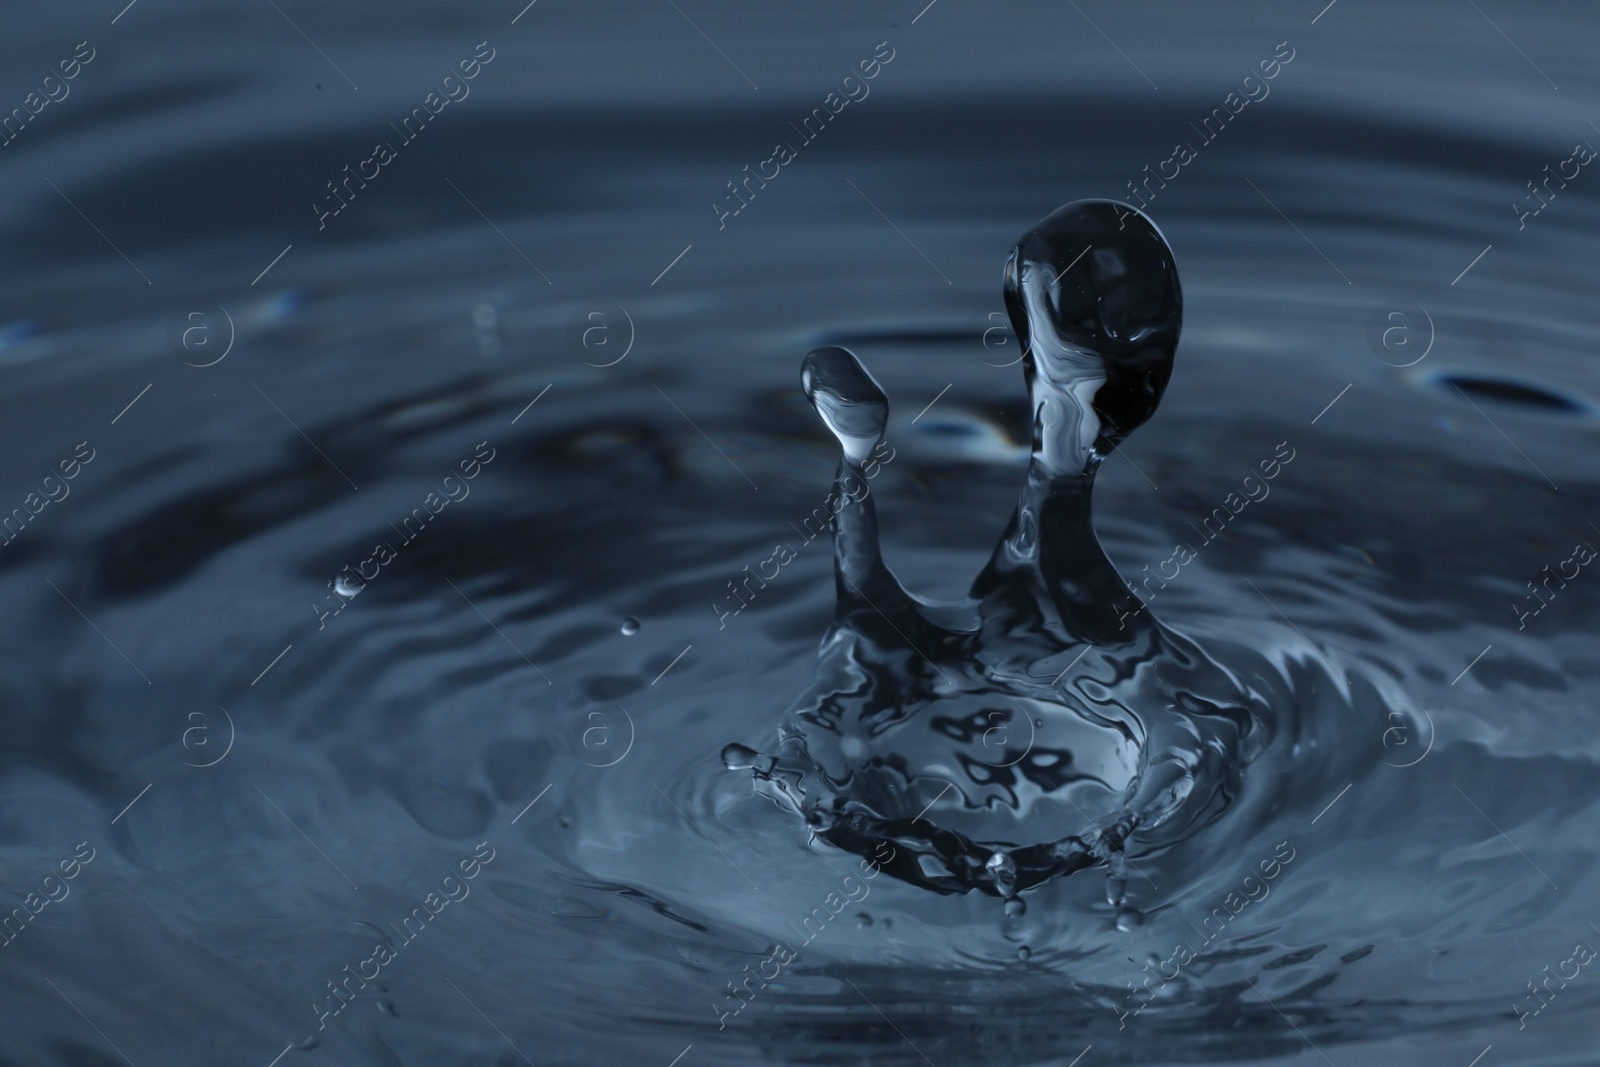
1035,728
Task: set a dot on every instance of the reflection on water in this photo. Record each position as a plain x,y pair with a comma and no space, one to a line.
279,749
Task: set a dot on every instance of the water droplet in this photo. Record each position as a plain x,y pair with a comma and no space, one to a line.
1094,298
1129,919
1016,908
1024,953
739,757
630,626
848,399
346,587
1116,891
863,920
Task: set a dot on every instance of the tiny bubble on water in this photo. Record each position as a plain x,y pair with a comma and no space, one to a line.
630,626
1129,919
1016,907
1024,953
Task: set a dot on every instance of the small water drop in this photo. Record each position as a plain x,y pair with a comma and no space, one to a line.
307,1043
347,588
1024,953
1116,891
850,401
1016,908
1129,919
739,758
630,626
863,920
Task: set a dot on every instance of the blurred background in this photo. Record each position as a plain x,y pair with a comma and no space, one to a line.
480,307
